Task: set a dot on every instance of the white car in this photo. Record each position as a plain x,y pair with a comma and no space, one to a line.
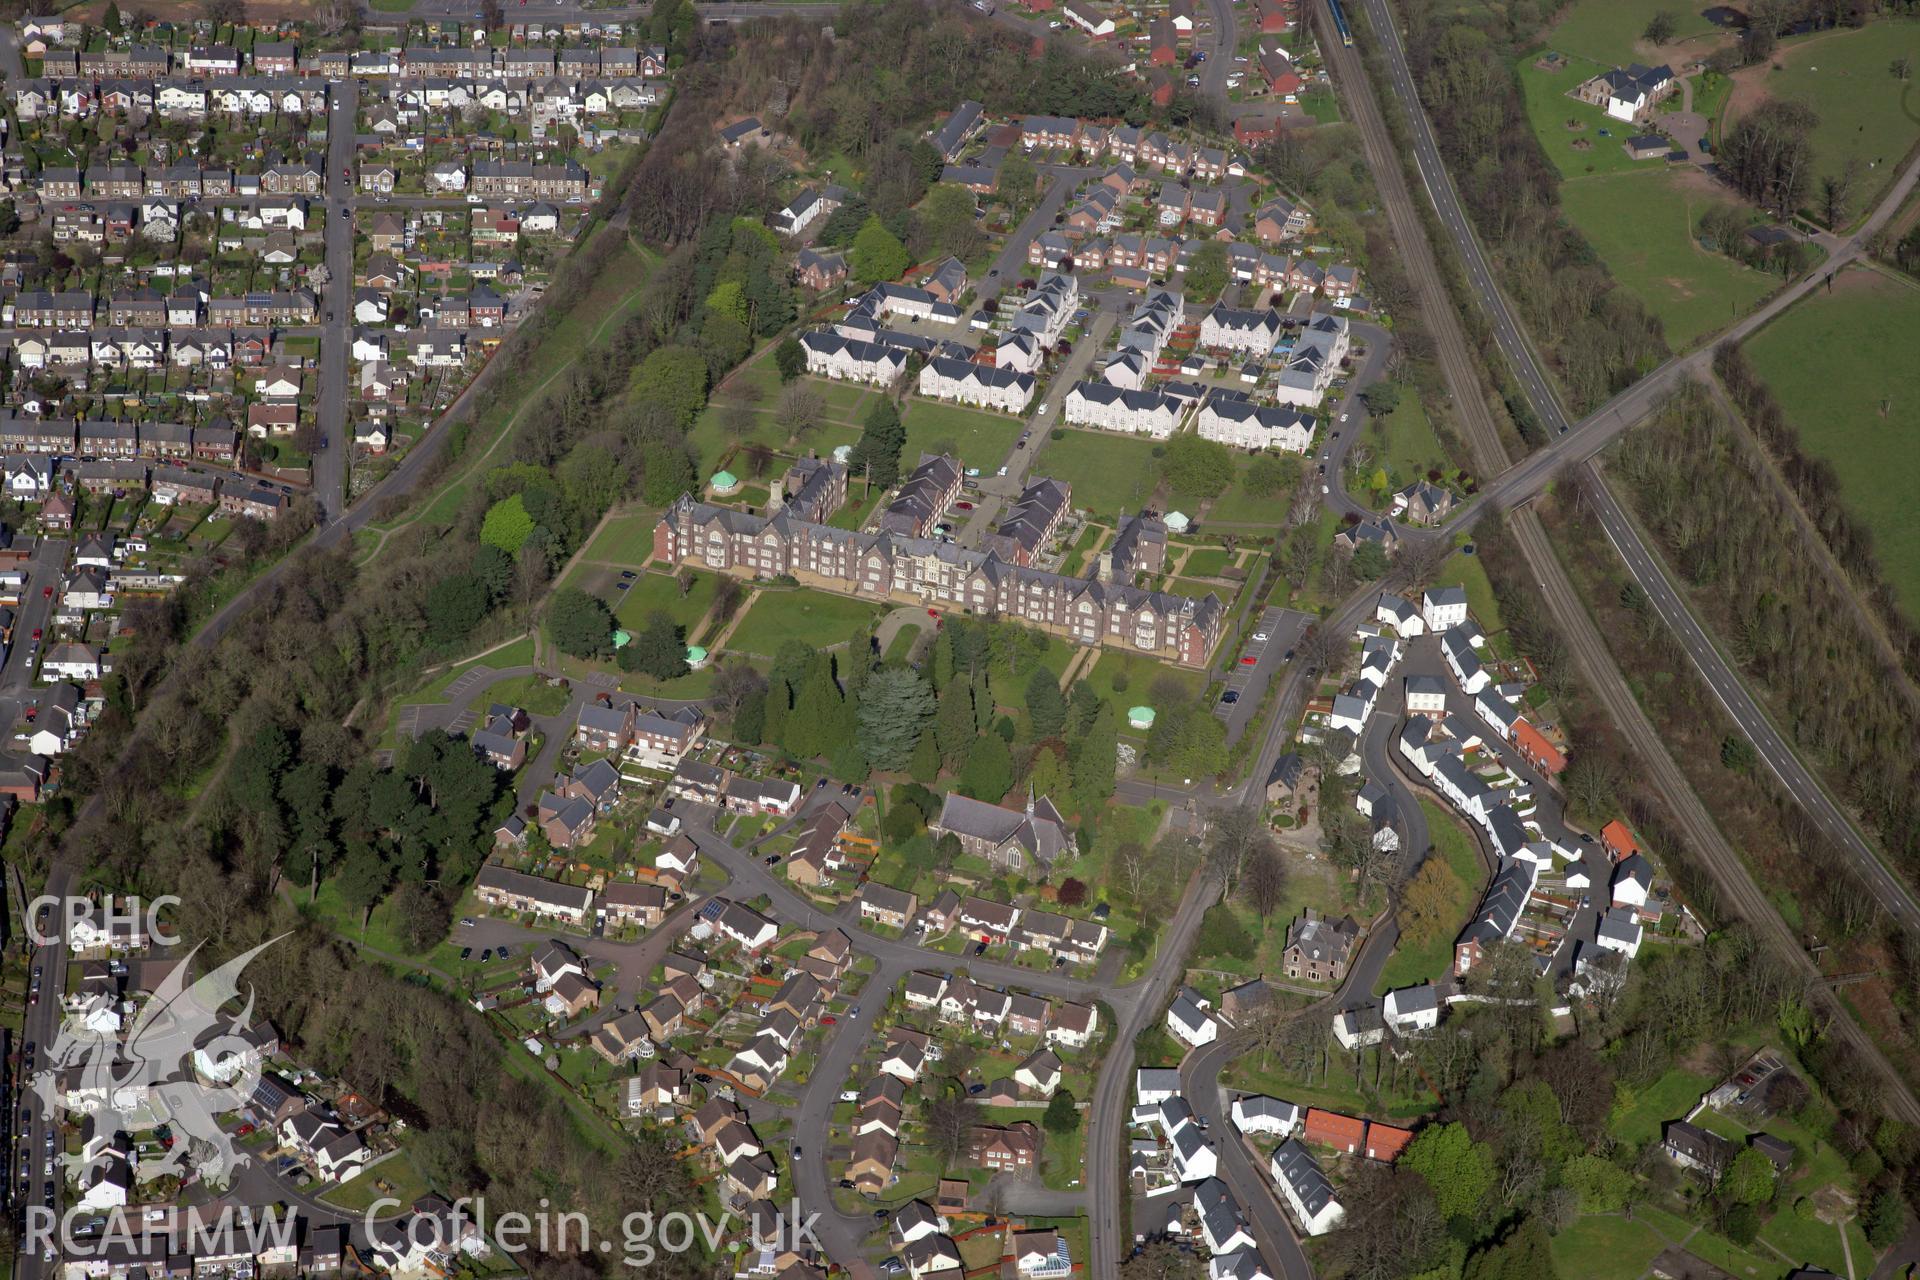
1261,636
1343,417
1326,489
1055,25
1002,471
1041,412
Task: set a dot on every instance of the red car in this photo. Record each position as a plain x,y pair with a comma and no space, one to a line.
933,613
963,506
829,1021
1248,661
46,593
36,633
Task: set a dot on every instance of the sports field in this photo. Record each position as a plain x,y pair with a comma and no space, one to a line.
1857,403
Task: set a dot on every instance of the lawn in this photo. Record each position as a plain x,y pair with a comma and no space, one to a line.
1467,571
1568,129
1109,474
977,438
397,1173
1608,31
756,387
1808,1241
1720,1252
1639,1116
1206,562
1864,113
902,643
815,618
1408,446
1606,1247
1865,327
1431,958
626,539
382,930
659,593
1239,505
1642,226
1140,675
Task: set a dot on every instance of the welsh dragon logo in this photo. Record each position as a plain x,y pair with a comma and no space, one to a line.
181,1063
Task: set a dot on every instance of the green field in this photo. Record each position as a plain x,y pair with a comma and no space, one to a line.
816,618
1642,226
1640,1116
1409,446
1423,962
658,593
1239,506
977,438
1865,114
1140,674
403,1182
1109,474
1467,571
1864,330
1606,1247
626,539
1608,31
756,388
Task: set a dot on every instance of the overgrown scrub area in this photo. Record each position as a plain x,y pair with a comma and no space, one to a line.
1599,338
1817,486
1701,490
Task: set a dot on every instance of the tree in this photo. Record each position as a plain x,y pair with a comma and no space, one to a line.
882,438
924,765
657,649
949,1119
1370,561
1207,273
988,772
1738,754
507,524
1264,880
877,254
1660,28
1459,1170
1603,1187
953,727
226,13
1523,1255
1271,475
1382,398
1742,1223
790,358
455,605
112,21
1018,181
895,707
669,472
673,379
1046,707
1063,1114
1749,1179
1096,760
1901,68
1162,1259
581,624
1886,1218
1197,468
1427,903
800,409
1072,892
